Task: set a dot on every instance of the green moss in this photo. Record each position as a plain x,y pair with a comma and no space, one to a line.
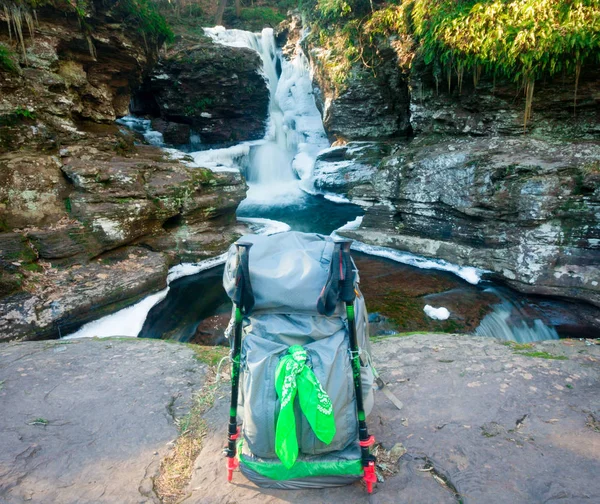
542,355
523,41
198,106
518,346
33,267
376,339
144,17
17,116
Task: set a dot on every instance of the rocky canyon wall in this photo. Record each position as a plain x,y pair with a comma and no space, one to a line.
470,184
90,216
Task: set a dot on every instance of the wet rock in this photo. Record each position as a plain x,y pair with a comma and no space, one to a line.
397,293
495,107
173,133
349,168
32,190
217,91
72,241
68,77
210,331
370,105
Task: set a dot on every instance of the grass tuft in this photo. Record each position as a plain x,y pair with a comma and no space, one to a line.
176,468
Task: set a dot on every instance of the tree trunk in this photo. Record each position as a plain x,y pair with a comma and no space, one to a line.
238,7
220,11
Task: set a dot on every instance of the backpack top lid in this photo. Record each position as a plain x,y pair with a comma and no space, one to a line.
287,270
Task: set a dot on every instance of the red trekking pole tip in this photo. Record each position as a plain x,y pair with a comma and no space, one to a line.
232,464
369,476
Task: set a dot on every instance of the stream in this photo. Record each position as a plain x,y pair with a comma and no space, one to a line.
403,292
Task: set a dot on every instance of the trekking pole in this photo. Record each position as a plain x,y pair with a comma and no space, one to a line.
243,302
347,295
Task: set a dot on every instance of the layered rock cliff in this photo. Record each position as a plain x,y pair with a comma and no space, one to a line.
472,185
90,217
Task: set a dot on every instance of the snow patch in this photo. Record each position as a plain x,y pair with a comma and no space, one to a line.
436,313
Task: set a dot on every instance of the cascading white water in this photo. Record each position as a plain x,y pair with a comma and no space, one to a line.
508,322
281,165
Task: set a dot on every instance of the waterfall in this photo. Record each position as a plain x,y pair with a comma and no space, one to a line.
280,166
508,322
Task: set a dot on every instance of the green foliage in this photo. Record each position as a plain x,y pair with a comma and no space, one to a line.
261,16
144,16
39,421
22,113
198,106
335,10
522,40
210,355
17,116
6,59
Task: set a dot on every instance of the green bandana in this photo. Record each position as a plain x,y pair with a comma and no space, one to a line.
294,376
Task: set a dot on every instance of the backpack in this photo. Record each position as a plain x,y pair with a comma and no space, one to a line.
301,370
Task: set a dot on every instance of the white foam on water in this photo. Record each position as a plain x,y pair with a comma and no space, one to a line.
126,322
436,313
144,127
467,273
508,322
271,195
336,198
129,321
228,159
281,165
187,269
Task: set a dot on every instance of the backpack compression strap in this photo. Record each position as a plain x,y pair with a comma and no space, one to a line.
292,377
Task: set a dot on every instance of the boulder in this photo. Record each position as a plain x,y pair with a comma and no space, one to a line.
58,301
32,190
217,91
117,401
173,133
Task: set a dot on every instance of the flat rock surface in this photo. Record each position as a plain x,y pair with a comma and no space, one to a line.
496,425
499,427
88,421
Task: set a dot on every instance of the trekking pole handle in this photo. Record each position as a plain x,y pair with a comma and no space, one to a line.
243,297
347,293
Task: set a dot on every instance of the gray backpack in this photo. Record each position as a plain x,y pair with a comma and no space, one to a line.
300,359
